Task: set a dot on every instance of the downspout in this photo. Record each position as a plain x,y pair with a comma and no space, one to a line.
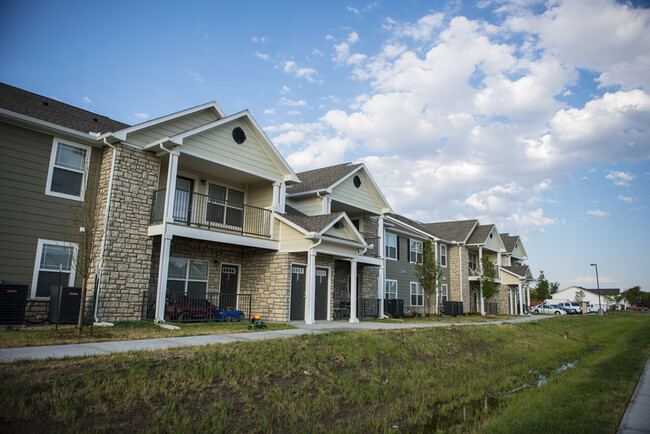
106,213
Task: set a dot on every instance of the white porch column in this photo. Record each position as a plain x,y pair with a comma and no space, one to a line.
528,295
435,253
353,291
276,197
521,300
480,256
381,285
310,299
510,310
165,238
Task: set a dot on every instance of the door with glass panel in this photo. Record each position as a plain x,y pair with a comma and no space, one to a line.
183,200
225,207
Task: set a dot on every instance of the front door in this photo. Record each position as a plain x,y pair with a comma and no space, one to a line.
298,279
321,293
183,200
229,285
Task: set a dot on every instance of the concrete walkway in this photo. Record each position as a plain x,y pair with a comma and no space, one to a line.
99,348
637,416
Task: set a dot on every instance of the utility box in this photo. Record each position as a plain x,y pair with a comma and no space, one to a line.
13,299
453,308
394,307
70,299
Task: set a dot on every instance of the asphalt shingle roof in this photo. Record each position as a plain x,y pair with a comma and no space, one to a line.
413,223
320,179
509,241
53,111
480,234
310,223
451,231
519,270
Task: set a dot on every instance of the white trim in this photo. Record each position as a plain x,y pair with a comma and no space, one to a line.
221,163
370,260
214,236
50,170
411,251
50,126
396,289
374,184
329,291
417,286
446,255
231,264
304,308
388,234
444,293
37,264
187,279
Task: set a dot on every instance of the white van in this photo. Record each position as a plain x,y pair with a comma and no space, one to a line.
593,308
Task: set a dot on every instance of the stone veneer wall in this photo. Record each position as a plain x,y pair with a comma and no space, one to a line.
454,282
128,252
371,226
37,310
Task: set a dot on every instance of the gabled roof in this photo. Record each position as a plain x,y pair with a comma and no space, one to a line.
315,223
480,234
50,110
321,179
509,241
457,231
410,225
613,291
317,226
518,270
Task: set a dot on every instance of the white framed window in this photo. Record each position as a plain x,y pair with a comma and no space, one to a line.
391,246
52,256
473,261
68,171
415,251
443,255
225,206
391,289
444,293
188,277
417,295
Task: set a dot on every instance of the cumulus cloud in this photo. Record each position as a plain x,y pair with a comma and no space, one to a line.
598,213
291,103
309,74
622,179
262,55
141,116
87,100
626,199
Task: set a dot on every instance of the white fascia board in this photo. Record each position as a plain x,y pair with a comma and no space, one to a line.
411,228
307,193
121,134
345,217
370,261
214,236
387,207
511,273
343,242
291,224
51,127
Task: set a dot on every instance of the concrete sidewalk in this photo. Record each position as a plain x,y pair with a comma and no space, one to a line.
637,416
99,348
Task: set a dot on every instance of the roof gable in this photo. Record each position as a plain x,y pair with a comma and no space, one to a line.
320,179
457,231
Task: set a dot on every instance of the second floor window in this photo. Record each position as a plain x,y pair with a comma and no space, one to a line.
473,261
415,251
68,169
443,255
391,246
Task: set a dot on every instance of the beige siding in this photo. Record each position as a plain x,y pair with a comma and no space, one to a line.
291,239
310,205
338,249
493,243
365,196
171,128
509,279
218,145
260,195
344,233
519,251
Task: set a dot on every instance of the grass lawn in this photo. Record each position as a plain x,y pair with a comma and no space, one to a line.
347,381
46,335
446,319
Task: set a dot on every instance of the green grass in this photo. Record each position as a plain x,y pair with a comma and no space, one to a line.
445,319
47,335
343,381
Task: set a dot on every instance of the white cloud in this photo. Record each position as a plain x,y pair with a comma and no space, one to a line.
423,29
261,39
353,10
626,199
622,179
285,89
352,38
598,213
262,55
141,116
196,76
291,103
269,111
87,100
309,74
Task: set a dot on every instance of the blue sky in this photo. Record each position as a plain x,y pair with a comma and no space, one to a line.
531,115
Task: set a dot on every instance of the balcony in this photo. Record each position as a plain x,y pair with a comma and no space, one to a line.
208,212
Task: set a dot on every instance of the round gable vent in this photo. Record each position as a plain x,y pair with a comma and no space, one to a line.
357,181
239,135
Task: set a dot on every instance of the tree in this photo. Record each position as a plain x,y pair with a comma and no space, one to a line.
633,295
580,296
544,289
80,230
489,287
428,272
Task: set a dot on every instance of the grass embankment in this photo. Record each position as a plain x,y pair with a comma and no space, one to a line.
445,319
33,336
357,381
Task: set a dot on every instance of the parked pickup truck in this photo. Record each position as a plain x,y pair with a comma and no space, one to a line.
641,308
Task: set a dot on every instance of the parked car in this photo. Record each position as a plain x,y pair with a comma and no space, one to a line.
593,308
571,306
547,309
638,308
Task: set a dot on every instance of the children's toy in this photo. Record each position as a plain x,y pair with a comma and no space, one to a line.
256,323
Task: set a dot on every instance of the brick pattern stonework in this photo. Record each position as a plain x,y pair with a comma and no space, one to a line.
128,252
455,283
37,310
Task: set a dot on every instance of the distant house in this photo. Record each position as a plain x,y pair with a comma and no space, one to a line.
590,294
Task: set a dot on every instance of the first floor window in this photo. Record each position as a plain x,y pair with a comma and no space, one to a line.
444,293
417,295
443,255
415,249
187,277
391,289
68,169
54,265
391,246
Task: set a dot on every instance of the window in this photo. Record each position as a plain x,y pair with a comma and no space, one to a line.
49,256
444,293
415,251
473,261
187,277
443,255
391,289
417,295
225,206
68,170
391,246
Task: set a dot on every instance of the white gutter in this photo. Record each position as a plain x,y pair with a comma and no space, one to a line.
106,213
